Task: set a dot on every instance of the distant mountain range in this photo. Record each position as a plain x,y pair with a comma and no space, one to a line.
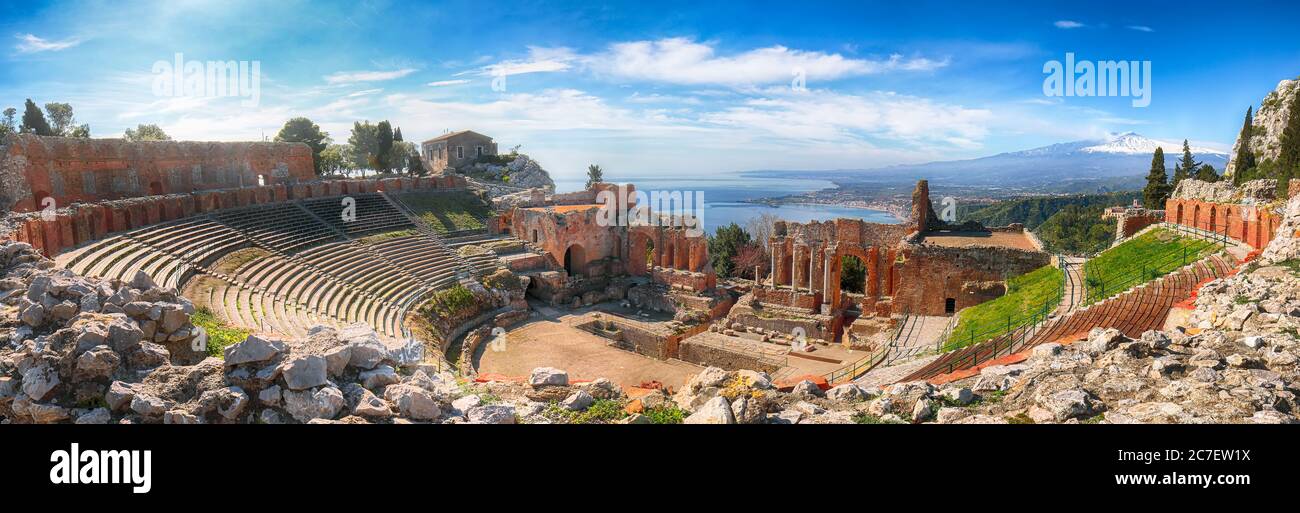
1118,163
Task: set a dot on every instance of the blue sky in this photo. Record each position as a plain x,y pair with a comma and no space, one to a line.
683,88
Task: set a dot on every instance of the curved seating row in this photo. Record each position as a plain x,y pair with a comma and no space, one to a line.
373,214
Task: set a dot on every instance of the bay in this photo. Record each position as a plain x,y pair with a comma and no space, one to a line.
725,198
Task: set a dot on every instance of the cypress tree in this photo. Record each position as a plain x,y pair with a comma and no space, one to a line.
34,120
1245,157
1187,166
1157,189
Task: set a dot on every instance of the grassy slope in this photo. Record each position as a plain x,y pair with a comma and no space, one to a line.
449,211
1025,296
1158,251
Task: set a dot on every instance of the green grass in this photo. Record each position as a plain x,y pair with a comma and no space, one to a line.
449,211
1025,297
602,411
383,236
219,335
669,414
1140,260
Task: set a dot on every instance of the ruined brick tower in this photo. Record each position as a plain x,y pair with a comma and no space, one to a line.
922,212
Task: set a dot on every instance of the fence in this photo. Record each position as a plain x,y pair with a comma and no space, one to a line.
1099,286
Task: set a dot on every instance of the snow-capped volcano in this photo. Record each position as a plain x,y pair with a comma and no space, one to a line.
1133,143
1117,162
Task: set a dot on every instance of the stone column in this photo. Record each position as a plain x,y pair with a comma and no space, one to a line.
771,247
826,277
873,279
811,264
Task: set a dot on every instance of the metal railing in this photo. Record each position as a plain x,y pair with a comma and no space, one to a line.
1099,286
860,367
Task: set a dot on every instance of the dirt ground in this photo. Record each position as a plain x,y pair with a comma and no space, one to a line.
963,239
552,342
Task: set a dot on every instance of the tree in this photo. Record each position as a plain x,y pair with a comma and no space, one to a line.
1157,189
1245,157
145,132
1207,173
336,159
1288,157
397,134
302,130
1188,165
415,166
365,144
853,274
7,122
761,227
384,146
61,119
749,257
34,121
596,175
724,245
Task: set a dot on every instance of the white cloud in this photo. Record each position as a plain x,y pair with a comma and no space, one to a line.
540,60
684,61
349,77
29,43
834,117
445,83
1141,28
365,92
1068,24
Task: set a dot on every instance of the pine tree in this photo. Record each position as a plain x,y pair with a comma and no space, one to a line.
1207,173
385,146
1179,175
1245,157
1157,189
1188,165
1288,157
34,120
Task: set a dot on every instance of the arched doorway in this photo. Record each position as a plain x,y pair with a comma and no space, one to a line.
853,274
1180,214
575,260
1196,216
950,306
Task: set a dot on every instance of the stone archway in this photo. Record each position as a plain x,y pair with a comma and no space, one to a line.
575,260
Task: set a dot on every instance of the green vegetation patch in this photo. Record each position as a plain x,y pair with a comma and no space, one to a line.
602,411
1026,297
448,303
383,236
669,414
219,334
1141,259
449,211
1033,212
1077,230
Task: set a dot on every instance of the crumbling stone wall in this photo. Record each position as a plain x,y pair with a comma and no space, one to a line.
930,275
51,232
68,170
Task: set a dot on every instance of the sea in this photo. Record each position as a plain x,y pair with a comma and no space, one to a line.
725,197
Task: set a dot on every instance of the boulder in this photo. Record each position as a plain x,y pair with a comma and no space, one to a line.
578,401
252,349
847,392
492,414
412,402
303,372
715,411
548,376
305,405
379,377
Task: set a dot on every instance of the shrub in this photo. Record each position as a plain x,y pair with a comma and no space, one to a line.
219,334
669,414
449,302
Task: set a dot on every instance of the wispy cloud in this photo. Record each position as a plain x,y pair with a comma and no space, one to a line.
1068,24
445,83
350,77
684,61
366,92
30,43
540,60
1141,28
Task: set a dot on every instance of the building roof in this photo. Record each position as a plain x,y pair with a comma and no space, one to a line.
449,135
